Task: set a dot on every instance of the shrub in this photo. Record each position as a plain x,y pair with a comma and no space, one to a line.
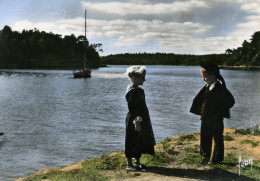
187,137
253,143
228,138
255,130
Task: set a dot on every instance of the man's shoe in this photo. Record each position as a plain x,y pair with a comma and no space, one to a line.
140,167
205,161
216,162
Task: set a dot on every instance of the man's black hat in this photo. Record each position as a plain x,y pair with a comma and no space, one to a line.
212,68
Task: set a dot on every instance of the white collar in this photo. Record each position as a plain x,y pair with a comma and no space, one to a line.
211,86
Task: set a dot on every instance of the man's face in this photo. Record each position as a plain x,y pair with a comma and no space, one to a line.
208,78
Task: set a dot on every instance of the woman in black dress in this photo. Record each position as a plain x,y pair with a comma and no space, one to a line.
139,133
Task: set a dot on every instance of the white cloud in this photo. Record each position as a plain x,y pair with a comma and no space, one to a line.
253,7
144,31
62,26
144,8
170,36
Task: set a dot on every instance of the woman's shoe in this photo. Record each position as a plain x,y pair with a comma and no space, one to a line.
130,168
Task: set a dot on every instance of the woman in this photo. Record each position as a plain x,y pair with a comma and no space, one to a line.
139,133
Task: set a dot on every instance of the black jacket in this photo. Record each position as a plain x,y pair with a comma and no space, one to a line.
219,101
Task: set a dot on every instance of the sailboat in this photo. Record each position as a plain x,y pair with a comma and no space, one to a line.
85,72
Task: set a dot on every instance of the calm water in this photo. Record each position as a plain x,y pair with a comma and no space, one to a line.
52,120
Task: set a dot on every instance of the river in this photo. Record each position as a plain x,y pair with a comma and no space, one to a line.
51,119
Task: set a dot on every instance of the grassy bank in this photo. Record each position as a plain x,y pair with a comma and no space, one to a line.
176,158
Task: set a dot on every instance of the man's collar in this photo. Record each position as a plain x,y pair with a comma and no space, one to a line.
211,86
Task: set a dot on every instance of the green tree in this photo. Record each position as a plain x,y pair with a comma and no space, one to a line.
35,49
5,44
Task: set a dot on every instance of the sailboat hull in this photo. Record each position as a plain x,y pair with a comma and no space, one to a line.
82,74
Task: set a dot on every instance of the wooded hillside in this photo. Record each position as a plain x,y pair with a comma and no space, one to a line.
35,49
246,55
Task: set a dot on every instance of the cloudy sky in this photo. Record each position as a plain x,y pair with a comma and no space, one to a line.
171,26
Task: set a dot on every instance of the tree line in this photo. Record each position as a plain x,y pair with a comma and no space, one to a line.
160,59
246,55
35,49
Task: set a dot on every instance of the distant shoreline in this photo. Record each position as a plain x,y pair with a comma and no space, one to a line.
1,69
240,67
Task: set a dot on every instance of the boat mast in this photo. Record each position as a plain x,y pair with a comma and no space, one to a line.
85,40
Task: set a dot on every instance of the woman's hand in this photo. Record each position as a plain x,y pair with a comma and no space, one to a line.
199,117
137,126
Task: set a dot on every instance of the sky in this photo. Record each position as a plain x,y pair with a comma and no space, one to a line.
136,26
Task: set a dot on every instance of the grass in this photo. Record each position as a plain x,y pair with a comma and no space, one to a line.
255,130
192,159
165,141
230,161
93,169
76,175
106,162
89,172
252,173
228,138
188,137
192,150
159,159
253,143
125,176
167,146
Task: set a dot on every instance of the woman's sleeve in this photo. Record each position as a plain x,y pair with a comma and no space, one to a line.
134,105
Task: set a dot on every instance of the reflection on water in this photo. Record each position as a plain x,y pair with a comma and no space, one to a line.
51,119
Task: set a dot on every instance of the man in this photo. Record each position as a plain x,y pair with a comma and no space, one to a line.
212,105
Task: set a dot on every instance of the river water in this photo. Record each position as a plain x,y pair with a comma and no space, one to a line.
52,120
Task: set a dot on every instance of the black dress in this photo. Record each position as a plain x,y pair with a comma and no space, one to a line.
213,106
138,142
